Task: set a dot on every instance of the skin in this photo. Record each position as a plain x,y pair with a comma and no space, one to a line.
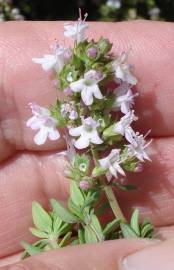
29,172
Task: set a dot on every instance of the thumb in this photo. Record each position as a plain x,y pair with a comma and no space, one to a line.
157,257
106,255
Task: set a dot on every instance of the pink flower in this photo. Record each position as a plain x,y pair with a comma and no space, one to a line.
87,133
43,121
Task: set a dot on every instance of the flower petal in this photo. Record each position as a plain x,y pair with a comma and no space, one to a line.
104,163
77,86
87,95
94,138
82,142
97,92
47,62
76,131
119,169
113,171
41,136
54,134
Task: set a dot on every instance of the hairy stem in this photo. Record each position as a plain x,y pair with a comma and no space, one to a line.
109,192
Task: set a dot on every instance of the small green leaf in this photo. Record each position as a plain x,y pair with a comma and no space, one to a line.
41,218
127,231
30,249
135,222
57,222
90,236
111,227
64,229
147,231
65,240
95,225
76,194
64,214
38,233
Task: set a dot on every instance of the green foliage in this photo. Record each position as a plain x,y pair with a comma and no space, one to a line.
136,229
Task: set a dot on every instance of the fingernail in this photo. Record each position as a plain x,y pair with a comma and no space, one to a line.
146,259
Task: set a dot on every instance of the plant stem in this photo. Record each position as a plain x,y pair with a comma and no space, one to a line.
114,203
109,192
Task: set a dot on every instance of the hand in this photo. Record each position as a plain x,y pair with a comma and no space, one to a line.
29,172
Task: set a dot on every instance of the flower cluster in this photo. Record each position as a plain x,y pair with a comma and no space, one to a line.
102,146
96,116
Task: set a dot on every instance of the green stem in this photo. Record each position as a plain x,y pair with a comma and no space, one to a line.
114,203
109,192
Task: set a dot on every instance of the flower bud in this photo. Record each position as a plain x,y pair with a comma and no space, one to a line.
92,52
84,184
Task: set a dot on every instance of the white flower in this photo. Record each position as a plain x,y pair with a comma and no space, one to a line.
77,30
122,69
88,86
112,162
138,146
87,133
123,126
43,121
114,3
56,61
124,98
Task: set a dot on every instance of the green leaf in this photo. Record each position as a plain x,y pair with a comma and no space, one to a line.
147,231
41,218
57,223
95,225
90,236
76,194
111,227
81,236
38,233
127,231
91,199
62,212
74,209
65,240
30,249
64,229
135,222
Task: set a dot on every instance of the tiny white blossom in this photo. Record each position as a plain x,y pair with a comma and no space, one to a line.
112,163
87,133
138,146
123,126
122,69
88,86
77,30
43,121
56,61
124,98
